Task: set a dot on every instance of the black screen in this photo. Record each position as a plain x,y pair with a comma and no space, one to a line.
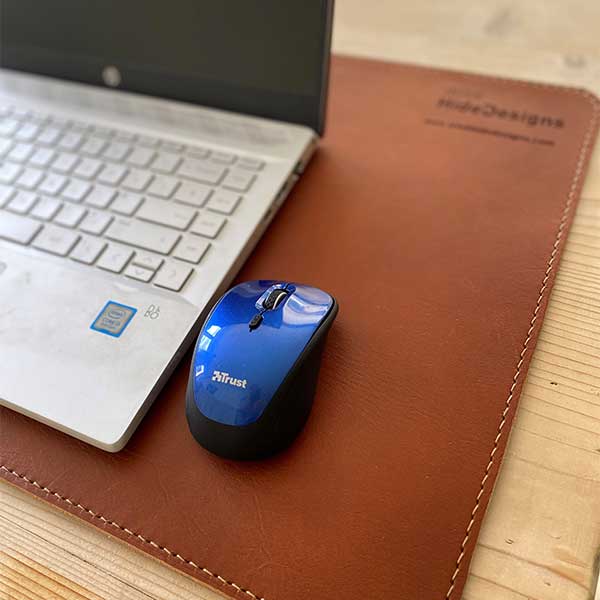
263,57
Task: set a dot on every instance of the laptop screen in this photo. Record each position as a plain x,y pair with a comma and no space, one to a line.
263,57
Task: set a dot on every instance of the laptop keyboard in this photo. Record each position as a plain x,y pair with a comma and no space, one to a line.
140,206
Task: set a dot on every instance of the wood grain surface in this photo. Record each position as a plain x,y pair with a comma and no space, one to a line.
541,535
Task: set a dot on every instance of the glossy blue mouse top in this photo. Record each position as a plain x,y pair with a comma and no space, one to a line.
237,369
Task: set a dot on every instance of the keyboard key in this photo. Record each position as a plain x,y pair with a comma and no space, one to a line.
223,202
15,228
137,180
93,146
46,208
22,203
163,186
76,190
30,178
112,174
5,146
80,127
27,132
143,235
56,240
35,117
195,194
148,261
52,184
104,132
126,203
147,140
208,225
139,273
49,136
101,196
6,193
124,136
172,146
200,170
141,157
191,249
88,250
197,152
252,164
238,181
8,126
165,213
172,276
114,258
65,162
38,119
116,151
88,168
96,222
166,162
224,158
42,157
70,141
21,152
69,215
9,172
60,122
21,113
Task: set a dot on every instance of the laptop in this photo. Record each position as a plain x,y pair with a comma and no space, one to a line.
144,148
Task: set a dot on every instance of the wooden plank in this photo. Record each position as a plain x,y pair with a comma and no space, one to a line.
541,535
541,40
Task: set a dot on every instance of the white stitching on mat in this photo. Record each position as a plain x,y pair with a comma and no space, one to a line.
585,147
131,533
557,242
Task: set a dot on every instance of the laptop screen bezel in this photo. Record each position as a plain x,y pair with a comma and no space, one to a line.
309,110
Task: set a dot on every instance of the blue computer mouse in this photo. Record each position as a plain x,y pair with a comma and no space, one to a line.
255,367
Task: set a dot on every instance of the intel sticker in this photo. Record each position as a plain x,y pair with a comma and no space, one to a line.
113,318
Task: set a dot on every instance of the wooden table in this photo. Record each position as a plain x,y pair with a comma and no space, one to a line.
541,534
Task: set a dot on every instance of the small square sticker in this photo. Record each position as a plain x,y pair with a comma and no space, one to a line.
113,318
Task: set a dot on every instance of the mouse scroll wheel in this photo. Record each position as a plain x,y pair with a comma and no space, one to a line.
274,299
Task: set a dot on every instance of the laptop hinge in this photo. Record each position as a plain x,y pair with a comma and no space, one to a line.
306,156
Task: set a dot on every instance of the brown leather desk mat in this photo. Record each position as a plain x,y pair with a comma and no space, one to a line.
438,226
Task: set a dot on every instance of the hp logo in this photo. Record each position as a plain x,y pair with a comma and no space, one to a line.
111,76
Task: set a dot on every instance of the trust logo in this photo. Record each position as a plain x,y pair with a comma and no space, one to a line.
223,377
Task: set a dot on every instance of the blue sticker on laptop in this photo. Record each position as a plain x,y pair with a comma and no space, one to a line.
113,319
